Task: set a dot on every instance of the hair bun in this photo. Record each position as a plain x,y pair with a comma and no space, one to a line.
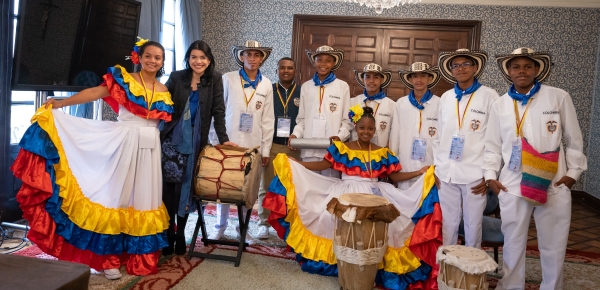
368,110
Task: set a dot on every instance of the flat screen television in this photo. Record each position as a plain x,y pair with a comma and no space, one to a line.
67,45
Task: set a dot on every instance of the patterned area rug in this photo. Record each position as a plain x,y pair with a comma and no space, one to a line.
581,268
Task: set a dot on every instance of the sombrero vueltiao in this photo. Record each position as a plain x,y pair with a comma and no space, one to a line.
420,67
373,67
338,55
445,61
542,58
250,45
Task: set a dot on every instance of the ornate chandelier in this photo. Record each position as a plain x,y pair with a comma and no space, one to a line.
379,5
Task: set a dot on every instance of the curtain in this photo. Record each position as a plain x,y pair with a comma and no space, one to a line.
191,21
10,208
150,19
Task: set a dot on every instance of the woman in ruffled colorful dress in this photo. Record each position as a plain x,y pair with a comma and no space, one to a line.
92,189
298,199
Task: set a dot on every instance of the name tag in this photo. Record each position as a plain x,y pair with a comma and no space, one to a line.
147,138
284,125
419,149
375,190
319,127
246,119
515,156
457,147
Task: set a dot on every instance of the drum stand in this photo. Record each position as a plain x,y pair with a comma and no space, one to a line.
200,224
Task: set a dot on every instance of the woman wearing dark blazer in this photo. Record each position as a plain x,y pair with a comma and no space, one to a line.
197,94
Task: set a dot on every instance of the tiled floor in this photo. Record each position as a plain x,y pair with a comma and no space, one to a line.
584,234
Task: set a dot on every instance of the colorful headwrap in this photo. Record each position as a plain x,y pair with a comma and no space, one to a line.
135,57
355,113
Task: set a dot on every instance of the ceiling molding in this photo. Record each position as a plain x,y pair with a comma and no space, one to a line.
536,3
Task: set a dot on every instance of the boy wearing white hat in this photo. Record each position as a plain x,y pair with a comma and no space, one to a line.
415,124
374,80
524,143
249,116
458,158
324,102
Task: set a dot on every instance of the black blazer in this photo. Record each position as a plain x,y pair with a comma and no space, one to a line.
212,105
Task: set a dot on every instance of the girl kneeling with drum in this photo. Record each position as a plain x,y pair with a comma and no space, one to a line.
298,199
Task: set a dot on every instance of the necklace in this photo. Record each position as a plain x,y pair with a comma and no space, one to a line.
367,164
149,102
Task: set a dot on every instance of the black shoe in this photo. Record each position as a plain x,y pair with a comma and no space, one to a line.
166,251
180,245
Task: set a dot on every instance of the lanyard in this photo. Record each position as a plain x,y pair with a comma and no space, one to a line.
321,92
518,120
376,108
287,100
246,97
460,120
149,102
420,121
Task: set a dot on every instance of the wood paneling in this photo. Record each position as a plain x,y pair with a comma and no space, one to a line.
391,42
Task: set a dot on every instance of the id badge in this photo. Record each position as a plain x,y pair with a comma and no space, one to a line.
284,125
419,149
457,147
246,119
515,156
375,190
319,126
147,138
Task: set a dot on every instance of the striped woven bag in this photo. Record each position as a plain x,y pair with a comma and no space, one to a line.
538,171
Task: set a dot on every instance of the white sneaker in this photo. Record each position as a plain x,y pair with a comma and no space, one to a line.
249,240
112,274
217,235
263,232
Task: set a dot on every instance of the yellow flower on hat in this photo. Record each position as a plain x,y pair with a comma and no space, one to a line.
356,112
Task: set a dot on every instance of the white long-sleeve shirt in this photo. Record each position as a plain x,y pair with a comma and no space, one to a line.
383,111
260,106
405,127
334,109
475,123
551,117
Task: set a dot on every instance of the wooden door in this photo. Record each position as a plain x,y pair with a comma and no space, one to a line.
392,43
115,27
360,48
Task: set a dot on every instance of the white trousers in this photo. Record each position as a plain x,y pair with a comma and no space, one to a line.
552,221
330,172
223,215
458,201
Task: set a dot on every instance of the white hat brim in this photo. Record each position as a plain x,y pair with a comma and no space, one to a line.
542,58
338,56
445,60
434,71
237,51
387,77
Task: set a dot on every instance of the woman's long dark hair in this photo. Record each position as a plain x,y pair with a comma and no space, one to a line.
200,45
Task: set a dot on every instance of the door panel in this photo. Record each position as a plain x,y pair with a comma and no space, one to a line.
391,42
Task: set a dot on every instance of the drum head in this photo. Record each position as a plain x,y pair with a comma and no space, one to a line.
362,200
466,254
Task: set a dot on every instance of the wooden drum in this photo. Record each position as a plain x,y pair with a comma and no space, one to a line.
228,174
360,237
463,268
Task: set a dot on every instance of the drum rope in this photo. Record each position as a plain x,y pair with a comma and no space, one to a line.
217,180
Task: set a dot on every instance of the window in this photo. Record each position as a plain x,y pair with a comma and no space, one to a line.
22,102
168,38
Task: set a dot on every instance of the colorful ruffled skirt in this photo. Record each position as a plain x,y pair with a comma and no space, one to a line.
90,193
298,197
